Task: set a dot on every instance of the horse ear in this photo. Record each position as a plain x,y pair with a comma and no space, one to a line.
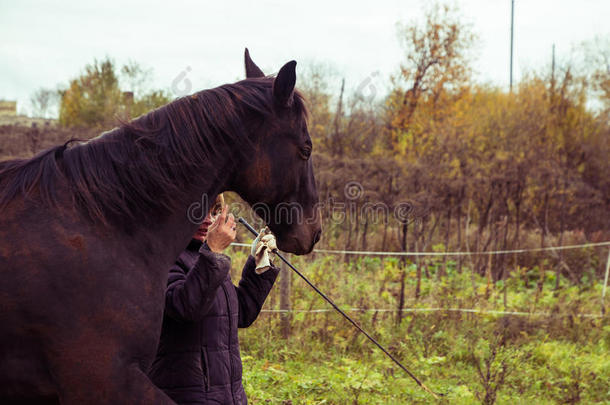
251,69
283,85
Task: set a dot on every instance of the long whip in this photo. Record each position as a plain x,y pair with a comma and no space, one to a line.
394,359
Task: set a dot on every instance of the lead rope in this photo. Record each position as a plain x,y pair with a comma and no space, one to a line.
394,359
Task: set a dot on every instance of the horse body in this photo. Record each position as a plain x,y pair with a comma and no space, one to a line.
81,310
85,246
23,371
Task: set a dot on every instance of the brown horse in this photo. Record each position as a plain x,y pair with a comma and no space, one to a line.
88,231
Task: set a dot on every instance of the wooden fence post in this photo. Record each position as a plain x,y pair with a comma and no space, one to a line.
605,283
285,315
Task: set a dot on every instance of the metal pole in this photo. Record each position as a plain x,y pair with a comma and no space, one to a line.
512,20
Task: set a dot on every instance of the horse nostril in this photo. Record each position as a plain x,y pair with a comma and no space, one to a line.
317,236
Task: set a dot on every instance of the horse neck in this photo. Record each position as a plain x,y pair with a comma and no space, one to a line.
177,230
191,210
201,185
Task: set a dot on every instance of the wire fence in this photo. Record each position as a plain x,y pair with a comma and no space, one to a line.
464,310
492,252
461,310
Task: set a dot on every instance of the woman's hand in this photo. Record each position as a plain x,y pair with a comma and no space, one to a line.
222,232
262,247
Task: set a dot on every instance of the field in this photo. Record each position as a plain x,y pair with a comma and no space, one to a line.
558,354
428,159
553,350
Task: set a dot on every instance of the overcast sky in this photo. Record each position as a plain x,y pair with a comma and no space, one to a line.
45,43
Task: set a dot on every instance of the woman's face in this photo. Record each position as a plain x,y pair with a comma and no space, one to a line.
202,232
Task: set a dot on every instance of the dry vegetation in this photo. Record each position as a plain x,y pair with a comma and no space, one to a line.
473,168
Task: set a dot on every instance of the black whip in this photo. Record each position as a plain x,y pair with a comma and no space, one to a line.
394,359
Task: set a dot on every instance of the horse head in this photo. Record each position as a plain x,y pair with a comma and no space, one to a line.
278,179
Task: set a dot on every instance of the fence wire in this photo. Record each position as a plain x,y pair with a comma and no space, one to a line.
476,311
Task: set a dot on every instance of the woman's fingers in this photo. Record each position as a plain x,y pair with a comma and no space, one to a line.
229,227
213,226
231,222
223,215
231,219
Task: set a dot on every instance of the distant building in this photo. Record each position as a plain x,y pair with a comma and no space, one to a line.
8,116
8,108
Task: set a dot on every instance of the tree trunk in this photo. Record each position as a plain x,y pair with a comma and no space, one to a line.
403,273
351,220
447,230
483,223
418,281
422,245
504,272
516,243
337,141
348,241
502,260
467,240
459,237
384,241
561,230
545,215
365,230
386,220
415,248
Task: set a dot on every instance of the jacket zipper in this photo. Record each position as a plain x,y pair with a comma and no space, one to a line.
224,288
206,368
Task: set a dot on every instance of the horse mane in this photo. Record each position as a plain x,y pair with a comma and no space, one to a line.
137,173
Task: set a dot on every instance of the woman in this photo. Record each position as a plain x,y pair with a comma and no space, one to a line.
198,360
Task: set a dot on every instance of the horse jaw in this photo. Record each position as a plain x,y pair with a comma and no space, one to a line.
300,241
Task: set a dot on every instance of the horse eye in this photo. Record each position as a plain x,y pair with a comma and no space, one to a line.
305,153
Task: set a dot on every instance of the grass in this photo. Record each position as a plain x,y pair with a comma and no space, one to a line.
557,356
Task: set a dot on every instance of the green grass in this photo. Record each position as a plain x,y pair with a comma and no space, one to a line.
470,358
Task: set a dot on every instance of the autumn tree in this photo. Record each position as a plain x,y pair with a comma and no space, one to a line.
95,98
433,76
435,68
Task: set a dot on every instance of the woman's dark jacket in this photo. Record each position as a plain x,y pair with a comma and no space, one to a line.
198,359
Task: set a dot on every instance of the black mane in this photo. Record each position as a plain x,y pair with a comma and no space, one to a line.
136,173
